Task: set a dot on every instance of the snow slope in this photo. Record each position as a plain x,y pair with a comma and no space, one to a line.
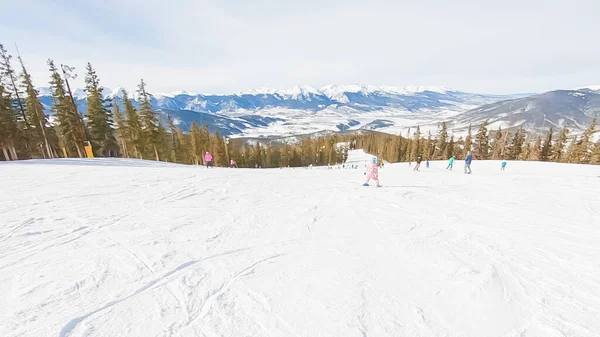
132,248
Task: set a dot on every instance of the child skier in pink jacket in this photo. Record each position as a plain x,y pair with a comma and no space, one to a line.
372,172
208,159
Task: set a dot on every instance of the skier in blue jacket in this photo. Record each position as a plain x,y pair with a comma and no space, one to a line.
468,162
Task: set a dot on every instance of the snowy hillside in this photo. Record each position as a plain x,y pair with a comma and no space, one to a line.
101,248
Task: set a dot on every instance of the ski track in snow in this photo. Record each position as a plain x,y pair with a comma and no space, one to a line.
124,247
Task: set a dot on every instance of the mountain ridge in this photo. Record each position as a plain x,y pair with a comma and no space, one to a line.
264,112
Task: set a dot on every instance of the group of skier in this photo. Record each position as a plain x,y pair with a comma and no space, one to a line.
372,172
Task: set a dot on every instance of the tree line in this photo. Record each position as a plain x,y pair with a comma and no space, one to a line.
485,144
26,132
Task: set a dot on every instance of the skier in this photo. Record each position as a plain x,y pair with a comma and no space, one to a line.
427,163
450,163
419,159
503,165
208,159
468,162
372,172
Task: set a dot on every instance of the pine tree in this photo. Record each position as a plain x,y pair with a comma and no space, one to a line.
134,128
497,144
196,144
516,145
546,151
150,125
9,129
35,116
175,143
7,73
559,147
218,150
536,149
468,141
121,129
99,117
450,148
71,134
573,154
417,145
586,146
596,154
482,142
440,148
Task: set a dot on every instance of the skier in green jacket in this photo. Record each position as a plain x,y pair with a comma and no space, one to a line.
450,163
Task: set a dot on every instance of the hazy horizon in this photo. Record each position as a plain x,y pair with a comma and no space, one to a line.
221,47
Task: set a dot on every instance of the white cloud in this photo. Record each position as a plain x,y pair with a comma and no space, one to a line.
230,45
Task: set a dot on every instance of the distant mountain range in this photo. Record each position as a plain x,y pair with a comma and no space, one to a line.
304,109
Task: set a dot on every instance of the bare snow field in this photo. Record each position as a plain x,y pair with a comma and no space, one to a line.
110,247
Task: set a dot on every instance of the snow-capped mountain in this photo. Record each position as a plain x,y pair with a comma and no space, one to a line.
572,109
305,109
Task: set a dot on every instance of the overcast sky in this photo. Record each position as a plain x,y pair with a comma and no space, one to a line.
500,46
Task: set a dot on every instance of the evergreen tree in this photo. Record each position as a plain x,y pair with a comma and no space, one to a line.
417,145
546,152
498,144
175,143
9,129
559,147
468,141
150,125
573,154
536,149
99,117
121,129
586,146
440,148
526,152
450,148
596,154
516,145
196,144
35,117
134,137
7,74
482,142
71,134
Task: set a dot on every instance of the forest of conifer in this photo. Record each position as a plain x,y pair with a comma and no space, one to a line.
130,132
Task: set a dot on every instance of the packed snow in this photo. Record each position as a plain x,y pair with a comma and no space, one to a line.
115,247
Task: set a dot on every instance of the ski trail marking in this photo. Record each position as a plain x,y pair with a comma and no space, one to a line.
227,284
23,224
72,324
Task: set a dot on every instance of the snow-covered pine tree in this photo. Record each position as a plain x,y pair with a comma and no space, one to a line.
150,125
